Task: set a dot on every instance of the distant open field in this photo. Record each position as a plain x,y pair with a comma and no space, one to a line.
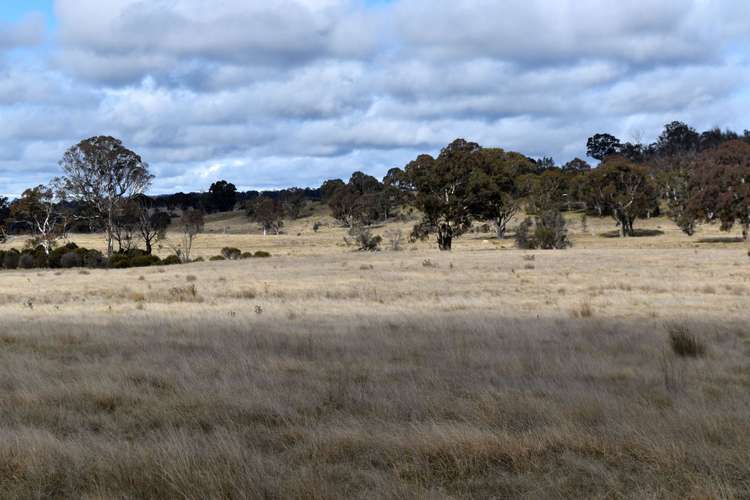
486,372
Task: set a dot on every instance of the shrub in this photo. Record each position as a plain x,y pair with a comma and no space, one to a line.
94,259
231,253
524,240
246,255
216,258
11,258
56,254
364,239
684,343
549,232
145,261
171,260
26,261
119,261
71,259
316,226
199,259
262,254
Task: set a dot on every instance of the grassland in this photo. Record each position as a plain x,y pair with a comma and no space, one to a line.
486,372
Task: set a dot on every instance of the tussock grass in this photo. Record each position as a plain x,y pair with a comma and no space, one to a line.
464,405
341,375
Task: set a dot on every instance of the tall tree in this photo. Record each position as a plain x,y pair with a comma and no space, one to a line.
443,190
268,213
496,186
600,146
100,171
720,187
222,196
624,189
677,139
4,215
41,210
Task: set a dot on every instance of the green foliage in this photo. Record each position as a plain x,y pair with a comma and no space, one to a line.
71,259
231,253
547,231
216,258
144,261
262,254
171,260
246,255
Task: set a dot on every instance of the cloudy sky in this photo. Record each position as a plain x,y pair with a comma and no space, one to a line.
276,93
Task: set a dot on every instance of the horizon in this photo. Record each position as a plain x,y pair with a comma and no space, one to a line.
292,92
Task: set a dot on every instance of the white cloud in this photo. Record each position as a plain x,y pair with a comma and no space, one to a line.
286,92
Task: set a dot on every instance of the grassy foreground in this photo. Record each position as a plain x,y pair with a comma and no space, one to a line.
324,373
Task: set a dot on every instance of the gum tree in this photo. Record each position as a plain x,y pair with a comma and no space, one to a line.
102,173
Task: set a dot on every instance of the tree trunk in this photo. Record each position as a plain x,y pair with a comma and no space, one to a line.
745,231
445,237
500,228
110,225
148,245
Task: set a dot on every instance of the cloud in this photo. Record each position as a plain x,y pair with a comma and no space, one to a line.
27,32
290,92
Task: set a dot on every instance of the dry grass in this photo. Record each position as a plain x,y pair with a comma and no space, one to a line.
325,373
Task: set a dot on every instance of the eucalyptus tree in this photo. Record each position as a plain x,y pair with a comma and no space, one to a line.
103,174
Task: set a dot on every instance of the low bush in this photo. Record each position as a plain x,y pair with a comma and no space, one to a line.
94,259
246,255
231,253
145,261
172,260
26,261
262,254
11,258
547,232
216,258
71,259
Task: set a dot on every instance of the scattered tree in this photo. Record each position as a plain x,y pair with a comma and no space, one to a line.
104,174
624,189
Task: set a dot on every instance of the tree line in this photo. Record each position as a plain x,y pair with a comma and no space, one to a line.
696,177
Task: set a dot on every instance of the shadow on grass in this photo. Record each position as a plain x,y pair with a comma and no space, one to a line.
722,239
637,233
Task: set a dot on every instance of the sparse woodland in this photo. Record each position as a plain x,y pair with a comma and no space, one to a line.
586,335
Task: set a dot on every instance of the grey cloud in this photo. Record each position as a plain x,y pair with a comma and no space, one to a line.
292,92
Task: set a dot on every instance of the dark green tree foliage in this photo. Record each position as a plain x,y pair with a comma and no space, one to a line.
496,186
600,146
268,213
222,196
623,189
4,215
102,173
719,187
677,139
329,187
445,190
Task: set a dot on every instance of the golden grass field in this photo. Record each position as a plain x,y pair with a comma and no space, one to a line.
486,372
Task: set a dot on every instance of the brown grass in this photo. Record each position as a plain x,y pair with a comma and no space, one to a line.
326,373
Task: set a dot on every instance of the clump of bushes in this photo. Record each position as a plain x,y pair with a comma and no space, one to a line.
261,254
364,239
216,258
71,256
171,260
547,232
231,253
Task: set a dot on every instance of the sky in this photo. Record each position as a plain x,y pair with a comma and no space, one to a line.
278,93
